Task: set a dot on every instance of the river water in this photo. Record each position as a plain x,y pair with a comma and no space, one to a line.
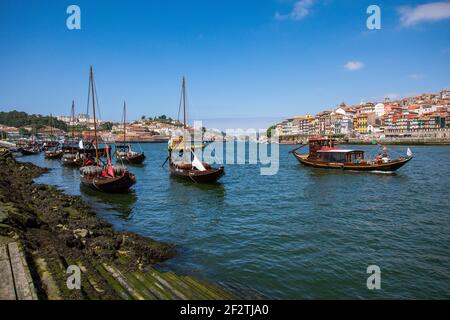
303,233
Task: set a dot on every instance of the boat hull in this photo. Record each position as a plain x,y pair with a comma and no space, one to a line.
28,152
208,176
53,155
71,162
109,184
135,159
390,166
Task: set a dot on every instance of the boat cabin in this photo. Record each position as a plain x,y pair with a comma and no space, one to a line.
340,156
323,149
316,144
122,148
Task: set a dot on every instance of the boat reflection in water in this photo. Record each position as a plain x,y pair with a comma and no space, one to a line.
120,203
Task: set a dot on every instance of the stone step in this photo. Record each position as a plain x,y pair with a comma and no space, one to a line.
154,284
15,278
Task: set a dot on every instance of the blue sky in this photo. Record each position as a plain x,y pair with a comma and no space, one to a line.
242,58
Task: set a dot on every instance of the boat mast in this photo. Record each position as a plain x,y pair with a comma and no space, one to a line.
51,127
124,122
73,119
184,102
95,120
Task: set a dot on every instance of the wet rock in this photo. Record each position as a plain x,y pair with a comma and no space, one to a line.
71,241
80,233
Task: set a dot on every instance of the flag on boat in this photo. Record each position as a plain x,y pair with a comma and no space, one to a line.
409,152
196,163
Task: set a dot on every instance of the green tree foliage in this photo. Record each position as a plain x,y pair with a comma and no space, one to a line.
106,126
20,119
24,131
269,131
163,118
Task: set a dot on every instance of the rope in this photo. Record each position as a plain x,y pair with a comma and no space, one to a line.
96,101
179,106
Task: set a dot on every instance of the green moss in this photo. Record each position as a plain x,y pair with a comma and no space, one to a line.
73,213
113,283
151,284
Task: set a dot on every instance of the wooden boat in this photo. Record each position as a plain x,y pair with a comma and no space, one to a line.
124,152
324,154
189,167
105,178
30,150
55,153
126,155
71,156
52,149
188,172
51,142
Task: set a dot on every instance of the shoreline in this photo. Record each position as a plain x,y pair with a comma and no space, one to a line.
55,230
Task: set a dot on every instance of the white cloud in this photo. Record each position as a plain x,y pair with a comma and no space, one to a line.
354,65
434,11
301,9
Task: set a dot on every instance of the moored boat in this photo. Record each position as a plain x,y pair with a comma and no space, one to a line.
124,153
54,153
183,161
324,154
71,155
109,178
30,150
51,146
104,177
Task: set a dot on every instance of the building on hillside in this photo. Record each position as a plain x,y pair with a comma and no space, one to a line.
324,123
445,94
360,123
379,109
47,131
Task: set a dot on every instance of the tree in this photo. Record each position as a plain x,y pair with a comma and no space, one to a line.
106,126
20,119
269,131
23,131
143,118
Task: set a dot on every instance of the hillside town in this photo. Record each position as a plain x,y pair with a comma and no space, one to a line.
81,125
426,116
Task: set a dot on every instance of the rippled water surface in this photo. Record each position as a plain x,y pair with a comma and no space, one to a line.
303,233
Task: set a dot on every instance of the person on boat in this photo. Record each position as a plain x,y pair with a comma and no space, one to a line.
379,158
